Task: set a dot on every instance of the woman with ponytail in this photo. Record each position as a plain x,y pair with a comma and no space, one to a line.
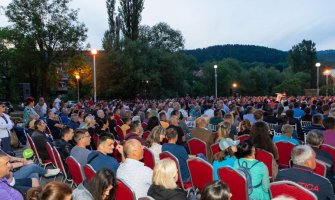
51,191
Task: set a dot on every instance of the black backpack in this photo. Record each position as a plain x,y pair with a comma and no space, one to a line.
245,170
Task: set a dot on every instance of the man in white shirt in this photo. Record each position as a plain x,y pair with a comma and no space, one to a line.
5,127
132,171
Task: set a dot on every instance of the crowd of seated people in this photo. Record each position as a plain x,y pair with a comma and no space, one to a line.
87,132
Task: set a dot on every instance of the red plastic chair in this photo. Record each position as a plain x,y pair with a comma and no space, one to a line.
197,146
184,185
215,148
201,172
291,189
284,151
236,182
243,138
144,125
48,132
123,191
148,158
320,168
330,150
51,154
119,122
60,165
43,163
267,158
119,132
96,139
75,170
146,135
89,171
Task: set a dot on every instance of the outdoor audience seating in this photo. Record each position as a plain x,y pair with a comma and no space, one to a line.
305,124
148,158
267,158
144,125
75,170
284,151
215,148
123,191
330,150
243,138
236,182
320,168
290,189
184,185
51,154
119,122
95,139
145,134
89,171
119,133
201,172
48,132
197,146
272,126
43,163
61,166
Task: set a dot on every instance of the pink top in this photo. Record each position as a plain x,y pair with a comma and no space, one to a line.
329,137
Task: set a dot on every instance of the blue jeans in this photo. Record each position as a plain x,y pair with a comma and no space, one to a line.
5,144
29,171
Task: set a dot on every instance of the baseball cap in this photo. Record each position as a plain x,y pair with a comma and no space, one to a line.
227,142
28,153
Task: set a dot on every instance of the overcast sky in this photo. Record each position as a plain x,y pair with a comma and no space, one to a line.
277,24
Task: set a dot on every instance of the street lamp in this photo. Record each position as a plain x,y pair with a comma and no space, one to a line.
145,90
216,81
94,52
317,65
78,77
326,73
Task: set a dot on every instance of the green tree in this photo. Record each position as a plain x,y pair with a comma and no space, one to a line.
302,58
53,29
130,15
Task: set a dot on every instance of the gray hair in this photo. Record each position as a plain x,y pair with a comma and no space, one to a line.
314,137
300,154
286,128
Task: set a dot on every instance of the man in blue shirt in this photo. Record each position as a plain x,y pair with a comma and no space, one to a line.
99,159
178,151
286,136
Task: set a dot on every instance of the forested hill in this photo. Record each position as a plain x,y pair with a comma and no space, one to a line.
327,55
244,53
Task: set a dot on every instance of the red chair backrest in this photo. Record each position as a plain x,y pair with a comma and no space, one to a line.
48,132
166,154
89,171
215,148
148,158
123,191
267,158
51,154
290,189
146,135
320,168
32,146
119,122
197,146
330,150
75,170
236,182
59,161
244,137
96,139
144,125
284,150
119,132
201,172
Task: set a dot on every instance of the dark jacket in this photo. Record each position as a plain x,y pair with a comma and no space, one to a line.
305,177
64,148
40,140
160,193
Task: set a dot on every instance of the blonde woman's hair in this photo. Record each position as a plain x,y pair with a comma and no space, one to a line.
164,174
223,130
155,136
89,119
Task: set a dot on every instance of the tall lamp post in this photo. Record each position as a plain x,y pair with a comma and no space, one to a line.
94,52
216,81
78,77
317,65
326,73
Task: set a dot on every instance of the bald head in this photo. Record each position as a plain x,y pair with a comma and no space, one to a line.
133,149
201,122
